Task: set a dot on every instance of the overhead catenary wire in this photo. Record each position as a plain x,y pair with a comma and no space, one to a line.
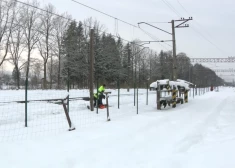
158,22
195,30
183,7
190,15
198,31
103,13
155,38
171,7
51,34
74,20
117,19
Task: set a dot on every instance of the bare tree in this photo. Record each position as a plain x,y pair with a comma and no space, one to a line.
36,71
60,26
90,23
17,46
30,17
6,21
44,45
52,71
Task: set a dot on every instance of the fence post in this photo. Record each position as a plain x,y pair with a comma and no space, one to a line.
186,96
134,92
147,94
190,92
174,92
26,103
107,105
193,91
97,91
118,83
158,96
91,70
137,100
68,85
71,127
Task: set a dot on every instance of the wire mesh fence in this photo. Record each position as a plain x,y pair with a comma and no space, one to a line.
45,114
39,115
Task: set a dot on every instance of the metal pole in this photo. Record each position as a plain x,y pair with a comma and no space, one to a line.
189,73
26,102
186,96
118,93
68,85
174,51
135,82
67,114
158,96
91,71
107,106
147,93
97,89
193,91
129,60
137,101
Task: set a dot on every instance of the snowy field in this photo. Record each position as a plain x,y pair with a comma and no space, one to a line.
47,118
199,134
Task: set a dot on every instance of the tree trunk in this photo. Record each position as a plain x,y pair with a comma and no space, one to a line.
58,85
45,76
51,74
18,77
28,64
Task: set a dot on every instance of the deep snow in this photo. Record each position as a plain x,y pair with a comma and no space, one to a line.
199,134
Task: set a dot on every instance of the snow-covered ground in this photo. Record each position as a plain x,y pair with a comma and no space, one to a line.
199,134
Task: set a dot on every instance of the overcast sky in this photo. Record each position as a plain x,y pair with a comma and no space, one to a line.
213,19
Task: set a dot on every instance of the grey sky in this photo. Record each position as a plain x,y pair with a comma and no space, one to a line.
215,18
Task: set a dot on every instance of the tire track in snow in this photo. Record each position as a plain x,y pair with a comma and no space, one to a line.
199,131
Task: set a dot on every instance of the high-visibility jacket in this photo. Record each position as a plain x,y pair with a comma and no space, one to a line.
101,88
95,95
98,95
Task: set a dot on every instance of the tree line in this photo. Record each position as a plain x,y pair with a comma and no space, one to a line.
48,49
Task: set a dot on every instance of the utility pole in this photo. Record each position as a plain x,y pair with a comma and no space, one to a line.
129,60
174,51
182,20
91,69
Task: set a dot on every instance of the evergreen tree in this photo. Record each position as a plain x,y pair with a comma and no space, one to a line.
16,75
75,55
126,65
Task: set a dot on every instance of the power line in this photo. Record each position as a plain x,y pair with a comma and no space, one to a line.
103,13
158,22
87,25
71,19
83,23
183,7
199,32
172,8
17,24
191,15
208,40
117,19
155,38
